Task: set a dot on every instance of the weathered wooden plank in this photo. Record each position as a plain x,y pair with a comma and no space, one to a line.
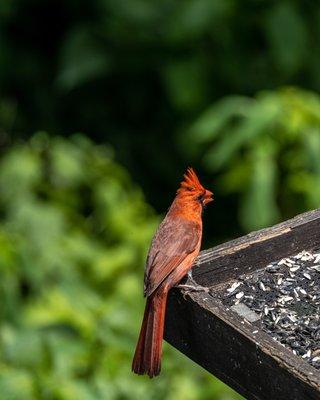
221,341
251,252
253,365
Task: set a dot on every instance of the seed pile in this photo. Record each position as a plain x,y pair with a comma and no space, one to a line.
286,299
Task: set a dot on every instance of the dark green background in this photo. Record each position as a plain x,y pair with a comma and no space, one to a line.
103,105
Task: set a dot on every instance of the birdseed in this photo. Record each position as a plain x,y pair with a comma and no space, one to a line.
285,296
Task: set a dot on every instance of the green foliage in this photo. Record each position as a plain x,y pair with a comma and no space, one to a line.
265,148
74,229
73,237
136,72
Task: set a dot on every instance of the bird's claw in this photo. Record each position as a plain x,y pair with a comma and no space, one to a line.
191,288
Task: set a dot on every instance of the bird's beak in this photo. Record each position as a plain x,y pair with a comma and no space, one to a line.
208,197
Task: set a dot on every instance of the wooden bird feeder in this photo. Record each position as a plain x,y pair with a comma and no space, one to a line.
221,340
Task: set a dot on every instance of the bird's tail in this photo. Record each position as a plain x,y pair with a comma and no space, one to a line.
147,357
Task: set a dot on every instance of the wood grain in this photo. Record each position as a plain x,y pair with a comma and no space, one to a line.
253,251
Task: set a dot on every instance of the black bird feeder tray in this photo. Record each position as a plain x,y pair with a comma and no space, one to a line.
226,340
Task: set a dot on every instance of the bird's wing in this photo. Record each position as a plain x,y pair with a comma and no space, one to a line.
173,241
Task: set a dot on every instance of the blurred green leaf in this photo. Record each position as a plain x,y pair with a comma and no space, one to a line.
287,35
185,82
73,239
82,60
193,18
268,152
259,208
210,123
256,122
16,384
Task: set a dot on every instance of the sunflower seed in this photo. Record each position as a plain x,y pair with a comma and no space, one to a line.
262,287
234,286
284,299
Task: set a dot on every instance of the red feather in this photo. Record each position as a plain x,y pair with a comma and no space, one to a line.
173,250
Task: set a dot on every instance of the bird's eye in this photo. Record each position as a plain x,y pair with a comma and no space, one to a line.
200,198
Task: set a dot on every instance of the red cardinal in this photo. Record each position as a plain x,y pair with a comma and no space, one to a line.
173,250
